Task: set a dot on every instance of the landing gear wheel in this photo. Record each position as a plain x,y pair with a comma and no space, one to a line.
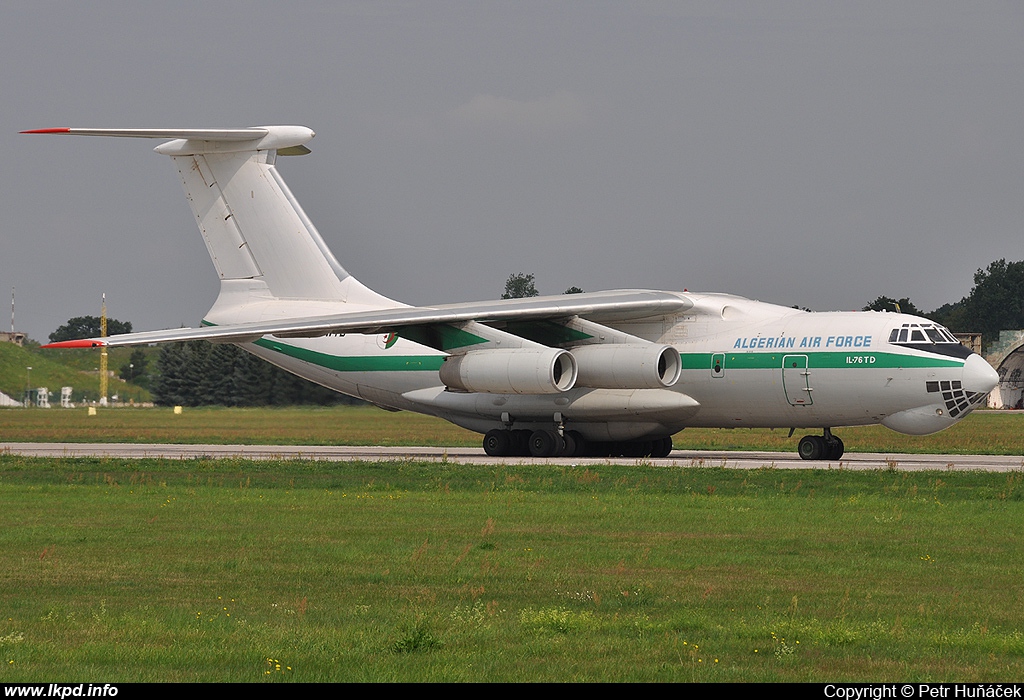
662,447
580,445
568,444
545,443
811,447
498,443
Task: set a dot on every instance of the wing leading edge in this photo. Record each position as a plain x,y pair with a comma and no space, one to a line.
596,306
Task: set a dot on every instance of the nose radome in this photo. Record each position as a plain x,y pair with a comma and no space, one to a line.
978,375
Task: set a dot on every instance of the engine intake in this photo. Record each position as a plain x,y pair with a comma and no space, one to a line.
512,371
625,366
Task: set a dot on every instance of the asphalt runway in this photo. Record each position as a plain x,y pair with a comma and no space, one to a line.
470,455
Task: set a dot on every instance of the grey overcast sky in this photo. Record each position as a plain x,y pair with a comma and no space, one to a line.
808,153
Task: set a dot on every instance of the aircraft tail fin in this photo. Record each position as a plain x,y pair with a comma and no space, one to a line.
260,240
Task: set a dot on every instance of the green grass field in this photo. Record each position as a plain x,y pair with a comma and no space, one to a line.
204,570
117,571
983,432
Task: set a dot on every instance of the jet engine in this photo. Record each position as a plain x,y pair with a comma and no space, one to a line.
511,371
626,366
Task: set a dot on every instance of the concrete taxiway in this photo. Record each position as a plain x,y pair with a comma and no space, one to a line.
469,455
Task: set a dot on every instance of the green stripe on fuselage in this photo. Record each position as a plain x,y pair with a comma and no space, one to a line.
817,360
691,361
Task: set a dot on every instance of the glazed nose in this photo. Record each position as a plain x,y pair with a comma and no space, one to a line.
979,376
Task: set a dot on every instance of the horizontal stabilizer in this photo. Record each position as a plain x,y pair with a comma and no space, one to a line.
246,134
288,140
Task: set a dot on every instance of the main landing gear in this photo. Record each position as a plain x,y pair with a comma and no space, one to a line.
549,443
820,447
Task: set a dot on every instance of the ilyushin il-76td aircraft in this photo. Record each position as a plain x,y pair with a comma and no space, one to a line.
604,373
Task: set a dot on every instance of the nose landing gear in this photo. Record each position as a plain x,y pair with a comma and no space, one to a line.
821,447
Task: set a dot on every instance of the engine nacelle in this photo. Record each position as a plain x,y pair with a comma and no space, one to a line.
511,371
623,366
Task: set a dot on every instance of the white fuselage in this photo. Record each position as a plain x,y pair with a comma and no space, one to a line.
744,364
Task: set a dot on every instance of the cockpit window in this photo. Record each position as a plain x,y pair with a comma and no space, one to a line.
921,333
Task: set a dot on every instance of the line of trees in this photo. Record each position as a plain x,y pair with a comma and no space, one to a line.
203,374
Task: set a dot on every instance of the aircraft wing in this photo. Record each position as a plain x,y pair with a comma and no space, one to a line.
617,305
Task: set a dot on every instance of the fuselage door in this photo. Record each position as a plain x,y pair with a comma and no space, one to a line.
796,380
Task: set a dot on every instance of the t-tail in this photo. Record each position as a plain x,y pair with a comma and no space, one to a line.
264,247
